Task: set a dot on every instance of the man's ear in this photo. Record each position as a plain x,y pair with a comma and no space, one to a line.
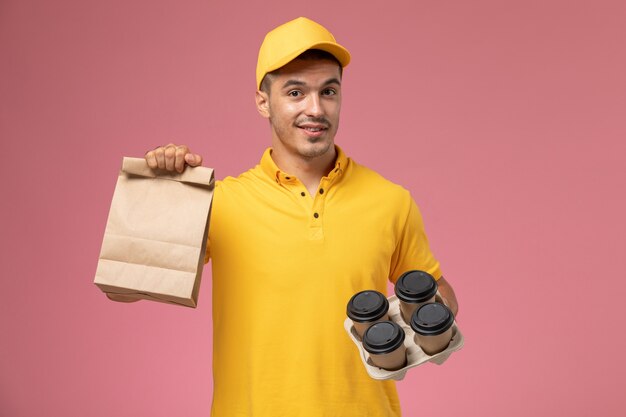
263,103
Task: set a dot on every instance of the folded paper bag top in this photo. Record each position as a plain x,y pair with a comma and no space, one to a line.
155,238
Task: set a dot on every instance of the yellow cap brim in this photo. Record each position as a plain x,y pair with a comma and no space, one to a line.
336,50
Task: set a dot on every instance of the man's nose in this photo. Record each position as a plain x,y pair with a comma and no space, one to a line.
314,106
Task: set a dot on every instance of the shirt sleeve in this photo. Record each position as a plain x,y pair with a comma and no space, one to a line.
412,250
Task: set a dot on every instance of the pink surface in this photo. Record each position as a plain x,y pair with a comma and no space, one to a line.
506,120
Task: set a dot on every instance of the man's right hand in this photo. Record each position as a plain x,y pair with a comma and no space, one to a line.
172,157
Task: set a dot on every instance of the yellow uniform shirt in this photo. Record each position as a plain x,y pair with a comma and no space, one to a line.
285,264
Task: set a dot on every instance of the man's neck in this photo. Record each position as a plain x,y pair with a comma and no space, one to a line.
308,170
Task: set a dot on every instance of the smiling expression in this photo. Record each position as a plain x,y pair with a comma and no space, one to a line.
303,107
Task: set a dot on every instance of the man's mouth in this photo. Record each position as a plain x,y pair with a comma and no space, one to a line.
313,132
311,127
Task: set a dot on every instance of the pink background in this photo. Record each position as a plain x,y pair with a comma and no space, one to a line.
505,119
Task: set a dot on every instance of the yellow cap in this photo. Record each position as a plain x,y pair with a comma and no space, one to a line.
289,40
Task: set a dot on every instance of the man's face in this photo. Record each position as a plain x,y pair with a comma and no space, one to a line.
303,107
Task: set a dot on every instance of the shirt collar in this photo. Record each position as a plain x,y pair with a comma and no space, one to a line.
271,169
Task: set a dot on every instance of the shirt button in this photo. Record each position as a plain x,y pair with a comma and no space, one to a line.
287,178
321,191
316,215
303,194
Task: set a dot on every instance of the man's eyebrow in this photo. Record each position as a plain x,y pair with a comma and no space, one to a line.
333,81
290,83
298,83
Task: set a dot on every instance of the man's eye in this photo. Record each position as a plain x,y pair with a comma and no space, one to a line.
329,92
294,93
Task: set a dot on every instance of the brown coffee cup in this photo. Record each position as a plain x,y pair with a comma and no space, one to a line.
366,308
414,289
384,342
432,324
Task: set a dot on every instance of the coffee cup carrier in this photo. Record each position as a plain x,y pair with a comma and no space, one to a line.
415,356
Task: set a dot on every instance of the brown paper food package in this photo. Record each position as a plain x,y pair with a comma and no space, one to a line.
155,238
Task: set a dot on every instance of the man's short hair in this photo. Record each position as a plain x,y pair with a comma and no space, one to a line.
310,54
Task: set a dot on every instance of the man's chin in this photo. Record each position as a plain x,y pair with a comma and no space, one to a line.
316,149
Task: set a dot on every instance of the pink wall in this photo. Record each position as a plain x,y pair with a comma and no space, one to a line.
505,119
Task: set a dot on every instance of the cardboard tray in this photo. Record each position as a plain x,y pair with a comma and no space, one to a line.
415,355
